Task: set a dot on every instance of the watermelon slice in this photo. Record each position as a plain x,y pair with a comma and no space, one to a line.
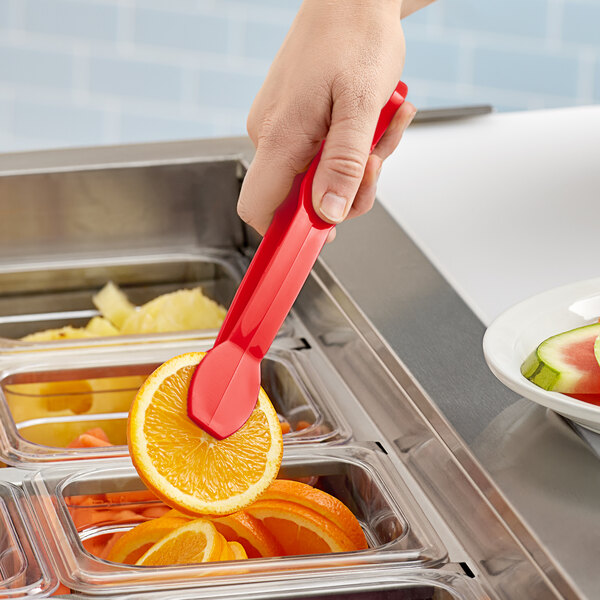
566,362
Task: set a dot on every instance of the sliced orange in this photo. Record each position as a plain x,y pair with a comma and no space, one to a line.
300,530
195,541
237,550
255,538
185,466
321,502
137,541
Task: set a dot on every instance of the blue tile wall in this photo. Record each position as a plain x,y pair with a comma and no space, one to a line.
36,67
183,31
535,72
70,19
581,22
84,72
146,79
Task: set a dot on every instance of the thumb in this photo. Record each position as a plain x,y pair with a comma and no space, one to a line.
343,161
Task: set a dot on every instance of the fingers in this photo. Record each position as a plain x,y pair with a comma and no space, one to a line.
365,197
269,180
344,157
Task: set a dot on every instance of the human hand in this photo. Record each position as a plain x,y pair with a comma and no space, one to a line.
337,67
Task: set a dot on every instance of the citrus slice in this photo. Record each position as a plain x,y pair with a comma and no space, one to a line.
137,541
237,550
188,468
300,530
254,537
321,502
196,541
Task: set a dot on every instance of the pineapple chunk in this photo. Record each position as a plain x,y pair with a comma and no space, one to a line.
113,304
101,326
177,311
64,333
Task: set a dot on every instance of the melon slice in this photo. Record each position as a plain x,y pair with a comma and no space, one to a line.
566,362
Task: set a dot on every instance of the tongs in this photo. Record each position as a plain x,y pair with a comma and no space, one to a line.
225,386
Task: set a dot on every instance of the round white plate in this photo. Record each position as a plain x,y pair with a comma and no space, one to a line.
510,339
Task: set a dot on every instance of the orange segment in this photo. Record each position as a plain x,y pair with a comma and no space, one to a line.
196,541
137,541
300,530
321,502
254,537
237,550
185,466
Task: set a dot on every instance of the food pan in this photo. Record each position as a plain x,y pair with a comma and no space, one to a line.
23,566
48,399
53,294
364,479
385,584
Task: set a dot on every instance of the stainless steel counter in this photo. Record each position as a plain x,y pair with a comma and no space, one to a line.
541,466
398,345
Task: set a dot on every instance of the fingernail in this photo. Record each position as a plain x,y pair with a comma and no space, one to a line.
412,116
333,207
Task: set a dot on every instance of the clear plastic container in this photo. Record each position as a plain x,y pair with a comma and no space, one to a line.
51,295
45,406
364,479
23,567
383,584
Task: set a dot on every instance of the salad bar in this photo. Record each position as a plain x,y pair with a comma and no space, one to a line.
157,223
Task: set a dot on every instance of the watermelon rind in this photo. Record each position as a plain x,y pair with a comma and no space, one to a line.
597,349
546,367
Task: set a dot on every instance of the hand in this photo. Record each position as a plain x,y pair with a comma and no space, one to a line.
337,67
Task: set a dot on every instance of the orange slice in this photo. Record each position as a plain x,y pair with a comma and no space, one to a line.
137,541
237,550
185,466
253,536
321,502
196,541
300,530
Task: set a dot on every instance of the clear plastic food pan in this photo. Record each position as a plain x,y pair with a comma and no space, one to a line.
79,510
383,584
23,568
51,295
49,399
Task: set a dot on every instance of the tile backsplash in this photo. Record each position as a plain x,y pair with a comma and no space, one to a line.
87,72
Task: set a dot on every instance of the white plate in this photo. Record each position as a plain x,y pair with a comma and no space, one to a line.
510,339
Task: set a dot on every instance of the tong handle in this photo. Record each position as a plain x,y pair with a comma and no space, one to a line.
285,258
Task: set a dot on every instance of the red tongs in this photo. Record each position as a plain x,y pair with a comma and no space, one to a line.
225,386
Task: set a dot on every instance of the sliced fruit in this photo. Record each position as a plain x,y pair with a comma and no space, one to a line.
130,547
300,530
237,550
113,304
321,502
85,440
101,326
255,538
185,466
63,333
177,311
195,541
566,362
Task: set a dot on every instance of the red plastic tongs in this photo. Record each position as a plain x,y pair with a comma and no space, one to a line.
225,386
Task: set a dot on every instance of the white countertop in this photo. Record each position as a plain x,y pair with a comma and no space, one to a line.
505,205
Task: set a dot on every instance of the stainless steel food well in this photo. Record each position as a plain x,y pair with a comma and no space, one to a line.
48,399
41,296
396,347
24,569
363,478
